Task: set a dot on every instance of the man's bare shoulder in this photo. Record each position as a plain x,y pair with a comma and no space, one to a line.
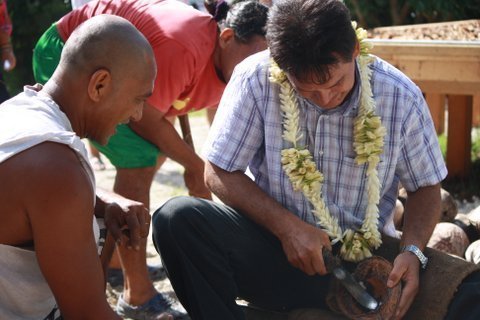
41,182
46,165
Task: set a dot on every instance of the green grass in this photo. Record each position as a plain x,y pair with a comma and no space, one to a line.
466,188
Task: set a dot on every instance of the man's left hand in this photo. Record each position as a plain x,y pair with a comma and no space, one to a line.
406,269
128,221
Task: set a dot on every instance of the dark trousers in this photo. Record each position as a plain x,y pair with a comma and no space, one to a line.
466,302
214,254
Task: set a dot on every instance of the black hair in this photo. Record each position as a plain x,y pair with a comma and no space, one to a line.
247,18
306,37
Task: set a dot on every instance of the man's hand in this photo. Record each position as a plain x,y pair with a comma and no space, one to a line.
405,268
303,245
195,184
128,221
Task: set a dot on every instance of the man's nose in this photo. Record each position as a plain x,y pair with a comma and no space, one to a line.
323,96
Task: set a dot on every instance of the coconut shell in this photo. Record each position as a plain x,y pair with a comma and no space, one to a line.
449,238
373,273
472,254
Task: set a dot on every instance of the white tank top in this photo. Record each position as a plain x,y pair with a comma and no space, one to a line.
27,120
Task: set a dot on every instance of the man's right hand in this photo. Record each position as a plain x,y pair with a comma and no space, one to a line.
195,184
303,245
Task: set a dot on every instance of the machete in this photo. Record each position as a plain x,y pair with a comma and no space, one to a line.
357,290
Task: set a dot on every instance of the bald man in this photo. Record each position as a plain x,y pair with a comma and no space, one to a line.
49,262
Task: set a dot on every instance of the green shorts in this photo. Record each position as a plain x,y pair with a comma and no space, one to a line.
128,150
46,54
125,149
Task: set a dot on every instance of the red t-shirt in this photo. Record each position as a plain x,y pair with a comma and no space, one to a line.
183,40
5,22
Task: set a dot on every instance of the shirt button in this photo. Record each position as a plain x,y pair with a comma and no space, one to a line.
320,153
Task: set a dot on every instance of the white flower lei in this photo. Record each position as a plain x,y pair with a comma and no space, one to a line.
299,166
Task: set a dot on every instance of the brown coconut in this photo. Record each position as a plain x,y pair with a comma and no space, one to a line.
373,273
472,254
449,238
448,204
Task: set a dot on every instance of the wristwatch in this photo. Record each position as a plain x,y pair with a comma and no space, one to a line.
414,249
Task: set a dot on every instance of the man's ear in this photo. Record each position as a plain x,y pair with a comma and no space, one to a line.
356,50
226,35
99,84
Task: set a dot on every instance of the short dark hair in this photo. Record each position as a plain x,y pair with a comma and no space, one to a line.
247,18
306,37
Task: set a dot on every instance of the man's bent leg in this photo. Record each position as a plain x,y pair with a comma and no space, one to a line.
135,184
214,255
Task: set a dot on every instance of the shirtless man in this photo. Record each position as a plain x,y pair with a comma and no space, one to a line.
49,262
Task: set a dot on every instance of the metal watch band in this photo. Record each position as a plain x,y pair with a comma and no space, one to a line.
416,251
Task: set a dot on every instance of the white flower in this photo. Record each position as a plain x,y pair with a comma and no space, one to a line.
368,143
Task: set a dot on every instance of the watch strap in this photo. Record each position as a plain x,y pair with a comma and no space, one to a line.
417,252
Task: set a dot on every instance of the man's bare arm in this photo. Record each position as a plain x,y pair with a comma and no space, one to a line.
302,242
155,128
59,205
422,213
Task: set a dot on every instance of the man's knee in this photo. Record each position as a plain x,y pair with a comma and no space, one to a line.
174,217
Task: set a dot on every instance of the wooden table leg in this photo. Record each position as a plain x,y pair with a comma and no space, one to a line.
476,110
436,104
459,138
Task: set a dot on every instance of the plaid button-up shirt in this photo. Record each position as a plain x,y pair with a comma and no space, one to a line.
247,133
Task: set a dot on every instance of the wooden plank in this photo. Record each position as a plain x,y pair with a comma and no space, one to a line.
459,135
448,87
436,66
436,104
442,68
476,111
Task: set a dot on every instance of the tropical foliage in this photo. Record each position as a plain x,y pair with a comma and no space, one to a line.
30,19
376,13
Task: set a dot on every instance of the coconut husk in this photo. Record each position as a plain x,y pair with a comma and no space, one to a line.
448,205
438,283
449,238
373,273
472,254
